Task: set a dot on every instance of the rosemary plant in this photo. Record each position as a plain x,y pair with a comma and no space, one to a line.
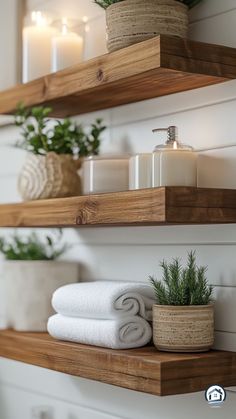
182,286
106,3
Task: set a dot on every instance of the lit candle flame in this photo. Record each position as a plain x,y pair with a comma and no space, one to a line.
64,26
38,18
175,145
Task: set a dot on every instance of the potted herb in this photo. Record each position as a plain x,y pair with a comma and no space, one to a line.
132,21
29,276
183,318
53,160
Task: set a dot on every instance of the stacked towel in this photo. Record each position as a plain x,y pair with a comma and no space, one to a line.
121,333
103,313
104,300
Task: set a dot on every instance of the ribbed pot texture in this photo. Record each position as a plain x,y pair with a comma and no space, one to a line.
183,328
133,21
49,176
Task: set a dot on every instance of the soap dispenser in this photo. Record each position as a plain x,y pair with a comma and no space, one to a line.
173,163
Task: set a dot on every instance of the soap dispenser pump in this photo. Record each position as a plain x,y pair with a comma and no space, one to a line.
173,163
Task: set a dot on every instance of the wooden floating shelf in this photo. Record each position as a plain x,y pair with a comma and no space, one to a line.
156,206
143,369
157,67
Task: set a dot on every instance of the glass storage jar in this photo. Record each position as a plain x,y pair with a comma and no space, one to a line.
105,173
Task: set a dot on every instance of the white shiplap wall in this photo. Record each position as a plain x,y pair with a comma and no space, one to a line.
206,119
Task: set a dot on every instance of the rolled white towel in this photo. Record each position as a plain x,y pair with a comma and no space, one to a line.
104,300
122,333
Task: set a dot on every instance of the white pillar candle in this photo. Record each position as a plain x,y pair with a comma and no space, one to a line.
174,167
140,171
67,49
37,40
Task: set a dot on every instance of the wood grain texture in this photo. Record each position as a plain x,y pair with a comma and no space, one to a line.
143,369
153,68
155,206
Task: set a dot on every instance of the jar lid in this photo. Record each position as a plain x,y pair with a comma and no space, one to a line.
108,156
172,142
176,145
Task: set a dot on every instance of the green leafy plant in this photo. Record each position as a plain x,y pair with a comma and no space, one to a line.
32,247
106,3
182,286
65,137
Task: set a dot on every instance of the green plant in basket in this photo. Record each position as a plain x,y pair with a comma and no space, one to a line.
182,286
106,3
64,137
183,316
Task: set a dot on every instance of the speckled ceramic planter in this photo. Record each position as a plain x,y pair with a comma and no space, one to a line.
183,328
133,21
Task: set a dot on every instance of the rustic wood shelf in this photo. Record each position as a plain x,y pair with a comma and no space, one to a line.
153,68
144,369
156,206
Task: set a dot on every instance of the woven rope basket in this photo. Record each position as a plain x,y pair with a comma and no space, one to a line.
183,328
50,176
132,21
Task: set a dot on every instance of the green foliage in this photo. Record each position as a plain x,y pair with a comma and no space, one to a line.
190,3
32,247
106,3
65,137
182,286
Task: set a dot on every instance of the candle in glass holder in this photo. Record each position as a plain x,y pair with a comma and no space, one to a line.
174,164
67,48
37,41
140,171
107,173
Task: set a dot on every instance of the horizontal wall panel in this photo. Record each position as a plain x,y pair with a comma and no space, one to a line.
136,263
175,104
217,129
70,8
225,309
206,119
217,168
208,8
157,235
8,190
12,160
225,340
218,29
31,404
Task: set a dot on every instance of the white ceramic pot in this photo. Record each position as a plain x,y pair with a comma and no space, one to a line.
28,287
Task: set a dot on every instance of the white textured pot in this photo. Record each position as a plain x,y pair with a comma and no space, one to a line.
133,21
50,176
29,286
